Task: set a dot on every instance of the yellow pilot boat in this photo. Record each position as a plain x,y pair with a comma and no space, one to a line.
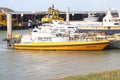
89,45
57,38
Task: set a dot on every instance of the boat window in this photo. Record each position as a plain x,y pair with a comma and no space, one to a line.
105,20
116,23
35,31
59,35
62,30
39,28
55,30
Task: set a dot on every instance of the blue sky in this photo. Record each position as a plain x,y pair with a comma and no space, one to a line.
75,5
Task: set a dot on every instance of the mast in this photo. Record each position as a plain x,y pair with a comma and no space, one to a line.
67,16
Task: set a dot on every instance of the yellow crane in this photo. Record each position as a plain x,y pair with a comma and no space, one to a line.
3,20
52,14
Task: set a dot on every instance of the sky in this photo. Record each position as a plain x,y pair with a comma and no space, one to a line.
74,5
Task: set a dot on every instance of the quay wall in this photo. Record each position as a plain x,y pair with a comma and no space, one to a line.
75,17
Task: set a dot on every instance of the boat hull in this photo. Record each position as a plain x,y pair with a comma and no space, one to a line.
114,44
106,31
94,45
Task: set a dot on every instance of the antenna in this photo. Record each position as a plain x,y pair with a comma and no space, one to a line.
118,13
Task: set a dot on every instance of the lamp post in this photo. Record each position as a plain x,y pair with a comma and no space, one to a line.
34,18
73,16
22,17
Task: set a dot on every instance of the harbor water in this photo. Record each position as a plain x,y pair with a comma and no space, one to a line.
44,65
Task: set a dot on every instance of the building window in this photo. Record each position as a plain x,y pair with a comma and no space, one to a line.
105,20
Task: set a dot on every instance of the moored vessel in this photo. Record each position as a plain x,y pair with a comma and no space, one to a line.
109,25
57,38
114,41
89,45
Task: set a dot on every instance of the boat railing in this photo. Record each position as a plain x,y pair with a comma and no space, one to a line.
34,39
87,37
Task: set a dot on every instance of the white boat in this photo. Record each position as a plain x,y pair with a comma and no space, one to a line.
109,25
91,18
